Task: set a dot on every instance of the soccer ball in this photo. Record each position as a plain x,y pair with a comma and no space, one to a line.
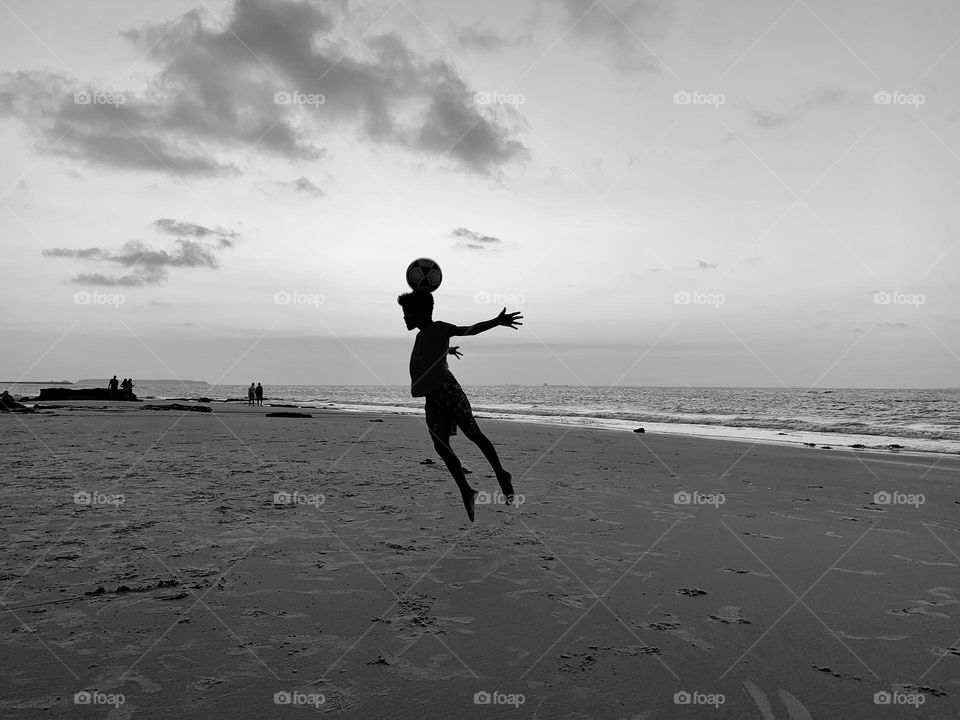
423,275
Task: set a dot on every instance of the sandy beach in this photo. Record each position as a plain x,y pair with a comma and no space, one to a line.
643,575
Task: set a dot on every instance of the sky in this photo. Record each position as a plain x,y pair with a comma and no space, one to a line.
672,193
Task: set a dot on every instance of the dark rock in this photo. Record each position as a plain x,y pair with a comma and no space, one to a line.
858,445
639,430
59,393
810,444
894,446
290,415
204,400
179,406
428,461
376,420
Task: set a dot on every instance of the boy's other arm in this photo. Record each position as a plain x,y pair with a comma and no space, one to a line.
511,320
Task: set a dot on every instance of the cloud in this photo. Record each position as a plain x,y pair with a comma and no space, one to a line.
828,97
623,27
225,238
303,185
707,266
216,91
476,37
149,265
473,240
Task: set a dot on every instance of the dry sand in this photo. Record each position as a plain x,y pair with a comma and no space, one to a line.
600,596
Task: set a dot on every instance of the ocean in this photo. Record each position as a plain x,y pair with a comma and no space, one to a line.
917,420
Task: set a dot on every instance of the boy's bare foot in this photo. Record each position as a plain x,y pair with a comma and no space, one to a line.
506,486
470,502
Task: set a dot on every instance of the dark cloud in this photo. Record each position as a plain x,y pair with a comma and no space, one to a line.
473,240
829,97
217,90
624,27
148,265
303,185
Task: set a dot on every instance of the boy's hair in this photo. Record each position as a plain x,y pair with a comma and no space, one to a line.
420,302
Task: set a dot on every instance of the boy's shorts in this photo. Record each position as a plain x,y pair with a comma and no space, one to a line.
446,408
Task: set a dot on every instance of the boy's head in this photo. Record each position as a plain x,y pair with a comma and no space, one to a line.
417,308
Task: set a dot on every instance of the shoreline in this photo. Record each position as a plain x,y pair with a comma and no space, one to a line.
822,441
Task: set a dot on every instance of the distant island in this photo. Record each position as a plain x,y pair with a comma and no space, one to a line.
139,381
35,382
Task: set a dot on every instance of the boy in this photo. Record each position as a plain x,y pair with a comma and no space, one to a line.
446,404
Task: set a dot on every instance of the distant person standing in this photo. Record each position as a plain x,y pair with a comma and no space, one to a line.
251,394
127,389
259,394
113,384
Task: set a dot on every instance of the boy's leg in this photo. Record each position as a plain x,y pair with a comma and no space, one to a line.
450,459
474,434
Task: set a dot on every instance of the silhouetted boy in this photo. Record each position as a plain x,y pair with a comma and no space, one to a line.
446,404
259,394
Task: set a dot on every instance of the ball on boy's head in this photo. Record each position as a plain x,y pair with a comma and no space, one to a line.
424,275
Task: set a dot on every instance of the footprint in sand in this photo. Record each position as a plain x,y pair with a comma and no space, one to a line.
691,592
729,615
765,537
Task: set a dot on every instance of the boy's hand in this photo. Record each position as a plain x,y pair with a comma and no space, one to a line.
455,351
509,320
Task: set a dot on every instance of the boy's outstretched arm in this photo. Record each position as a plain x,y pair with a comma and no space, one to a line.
505,319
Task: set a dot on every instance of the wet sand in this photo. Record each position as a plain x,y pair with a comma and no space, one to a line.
784,589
